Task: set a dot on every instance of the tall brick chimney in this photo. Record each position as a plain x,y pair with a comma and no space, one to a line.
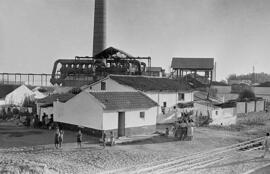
99,41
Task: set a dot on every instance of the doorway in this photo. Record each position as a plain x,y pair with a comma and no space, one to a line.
121,124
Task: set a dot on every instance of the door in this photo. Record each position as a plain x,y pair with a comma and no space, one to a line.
121,124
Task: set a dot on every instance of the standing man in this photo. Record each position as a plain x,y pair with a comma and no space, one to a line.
266,144
79,138
56,138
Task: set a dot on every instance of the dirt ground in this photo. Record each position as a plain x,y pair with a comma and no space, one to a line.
22,147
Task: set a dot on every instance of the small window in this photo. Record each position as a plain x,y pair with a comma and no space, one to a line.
181,96
103,85
165,104
142,115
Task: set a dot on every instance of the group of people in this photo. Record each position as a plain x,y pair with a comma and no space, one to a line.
184,128
59,138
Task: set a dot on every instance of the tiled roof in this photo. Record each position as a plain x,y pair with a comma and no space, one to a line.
144,83
51,98
124,100
193,63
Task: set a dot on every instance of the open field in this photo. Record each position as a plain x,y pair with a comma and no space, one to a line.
33,147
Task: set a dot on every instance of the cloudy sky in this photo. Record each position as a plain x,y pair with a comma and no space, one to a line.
34,33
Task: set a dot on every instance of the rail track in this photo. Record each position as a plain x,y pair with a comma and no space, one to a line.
193,161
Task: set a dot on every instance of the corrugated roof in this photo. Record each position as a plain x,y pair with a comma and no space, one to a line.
146,83
193,63
124,100
51,98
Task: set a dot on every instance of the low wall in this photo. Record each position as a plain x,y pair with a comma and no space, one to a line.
252,106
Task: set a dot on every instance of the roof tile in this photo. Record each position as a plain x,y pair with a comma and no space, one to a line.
124,100
192,63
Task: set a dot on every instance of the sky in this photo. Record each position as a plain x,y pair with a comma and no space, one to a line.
35,33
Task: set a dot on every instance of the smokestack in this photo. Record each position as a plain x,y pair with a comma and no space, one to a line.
99,41
215,72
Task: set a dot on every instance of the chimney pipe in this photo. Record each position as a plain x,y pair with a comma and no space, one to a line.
99,40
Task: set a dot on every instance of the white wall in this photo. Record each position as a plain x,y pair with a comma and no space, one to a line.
132,118
111,85
18,96
202,109
82,110
224,116
240,106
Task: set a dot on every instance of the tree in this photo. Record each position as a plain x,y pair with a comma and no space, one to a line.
246,95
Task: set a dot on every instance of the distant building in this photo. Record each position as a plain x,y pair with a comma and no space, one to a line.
246,81
155,71
17,96
221,88
183,66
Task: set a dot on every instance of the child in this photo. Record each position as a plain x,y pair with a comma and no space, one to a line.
190,130
61,138
167,132
56,138
111,138
266,144
79,138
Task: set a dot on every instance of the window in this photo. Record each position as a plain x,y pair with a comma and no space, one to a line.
103,85
165,104
181,96
142,115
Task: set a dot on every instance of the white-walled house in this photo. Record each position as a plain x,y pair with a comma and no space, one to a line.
17,96
166,92
124,113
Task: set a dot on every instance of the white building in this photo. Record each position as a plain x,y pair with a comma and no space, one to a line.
18,96
124,113
224,114
166,92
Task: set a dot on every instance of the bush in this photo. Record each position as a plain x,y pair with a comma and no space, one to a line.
246,95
